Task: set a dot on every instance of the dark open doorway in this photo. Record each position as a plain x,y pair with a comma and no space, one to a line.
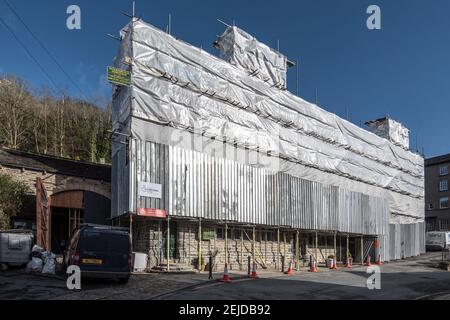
64,222
69,210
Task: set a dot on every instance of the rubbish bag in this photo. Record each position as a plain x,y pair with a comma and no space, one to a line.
36,251
49,260
36,248
35,265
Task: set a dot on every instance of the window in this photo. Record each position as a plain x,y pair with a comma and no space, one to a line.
443,185
443,224
443,170
443,203
220,233
97,241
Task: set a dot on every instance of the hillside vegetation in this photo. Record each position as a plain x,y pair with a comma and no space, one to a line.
55,124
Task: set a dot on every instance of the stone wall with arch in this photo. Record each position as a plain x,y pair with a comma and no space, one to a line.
57,183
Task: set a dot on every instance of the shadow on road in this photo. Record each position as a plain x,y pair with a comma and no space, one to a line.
341,285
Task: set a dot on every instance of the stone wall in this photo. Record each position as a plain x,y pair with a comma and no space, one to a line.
148,238
55,183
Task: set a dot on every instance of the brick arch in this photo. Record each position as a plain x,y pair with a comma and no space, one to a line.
102,190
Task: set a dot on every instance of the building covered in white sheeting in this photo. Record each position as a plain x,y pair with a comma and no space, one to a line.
214,157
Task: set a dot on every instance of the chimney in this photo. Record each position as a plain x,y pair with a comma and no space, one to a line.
245,52
391,130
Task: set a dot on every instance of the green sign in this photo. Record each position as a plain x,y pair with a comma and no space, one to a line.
119,76
208,234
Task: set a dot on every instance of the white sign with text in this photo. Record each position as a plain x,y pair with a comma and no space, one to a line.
149,190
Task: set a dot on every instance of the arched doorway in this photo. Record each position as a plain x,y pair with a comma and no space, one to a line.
70,209
67,214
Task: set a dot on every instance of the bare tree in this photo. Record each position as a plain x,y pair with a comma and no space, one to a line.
15,104
47,124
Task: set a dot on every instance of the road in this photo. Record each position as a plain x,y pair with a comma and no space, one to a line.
416,278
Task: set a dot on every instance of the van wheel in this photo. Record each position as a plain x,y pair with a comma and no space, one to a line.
124,280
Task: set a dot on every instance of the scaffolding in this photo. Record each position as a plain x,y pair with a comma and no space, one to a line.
229,145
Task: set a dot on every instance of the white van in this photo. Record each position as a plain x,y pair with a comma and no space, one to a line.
438,240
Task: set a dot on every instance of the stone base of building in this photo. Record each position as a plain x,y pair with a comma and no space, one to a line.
272,249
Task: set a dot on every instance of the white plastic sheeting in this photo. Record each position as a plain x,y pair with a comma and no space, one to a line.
224,190
270,158
183,87
197,185
242,50
391,130
145,132
404,241
177,84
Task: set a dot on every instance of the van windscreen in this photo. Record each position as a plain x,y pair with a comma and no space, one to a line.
98,241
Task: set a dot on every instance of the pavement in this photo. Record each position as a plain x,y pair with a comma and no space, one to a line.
416,278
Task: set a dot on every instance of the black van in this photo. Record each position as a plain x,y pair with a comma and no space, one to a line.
101,252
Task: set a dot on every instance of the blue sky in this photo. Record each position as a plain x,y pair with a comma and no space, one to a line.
402,70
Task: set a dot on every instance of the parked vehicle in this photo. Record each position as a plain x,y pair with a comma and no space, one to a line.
15,247
101,252
437,240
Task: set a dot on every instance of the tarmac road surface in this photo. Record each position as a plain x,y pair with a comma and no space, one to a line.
416,278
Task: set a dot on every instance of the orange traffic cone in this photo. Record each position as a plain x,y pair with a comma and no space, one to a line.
226,277
368,261
290,270
254,275
348,264
379,263
335,264
312,267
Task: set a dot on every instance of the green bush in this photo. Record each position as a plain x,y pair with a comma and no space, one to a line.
12,199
